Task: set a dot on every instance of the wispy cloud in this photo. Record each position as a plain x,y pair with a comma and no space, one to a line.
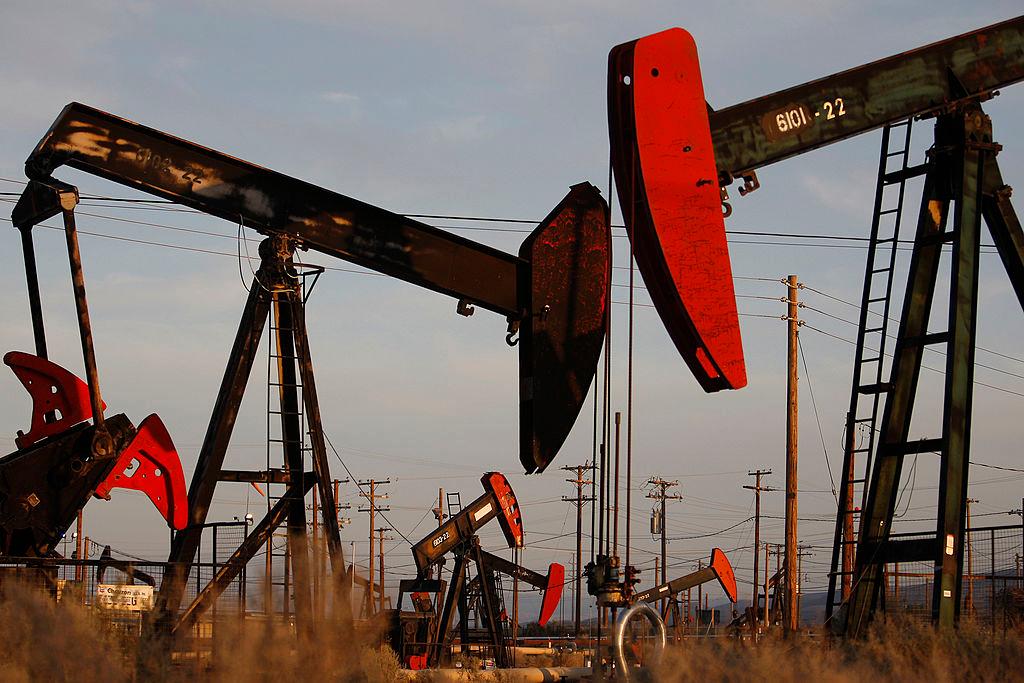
340,97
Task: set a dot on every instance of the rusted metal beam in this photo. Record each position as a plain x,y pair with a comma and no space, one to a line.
275,204
262,477
923,81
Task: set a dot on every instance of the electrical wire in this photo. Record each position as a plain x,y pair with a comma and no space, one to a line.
926,367
355,480
895,320
814,405
714,533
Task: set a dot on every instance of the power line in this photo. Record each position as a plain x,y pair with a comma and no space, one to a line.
717,533
926,367
814,405
860,242
892,319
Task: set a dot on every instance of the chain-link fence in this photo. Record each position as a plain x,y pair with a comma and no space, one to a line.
992,587
119,589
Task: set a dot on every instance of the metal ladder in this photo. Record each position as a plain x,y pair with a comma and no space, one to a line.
870,365
454,503
278,392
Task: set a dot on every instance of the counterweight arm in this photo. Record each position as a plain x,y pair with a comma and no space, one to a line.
928,79
275,204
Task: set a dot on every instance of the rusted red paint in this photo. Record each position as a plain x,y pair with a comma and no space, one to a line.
561,340
723,571
156,472
509,516
53,390
665,172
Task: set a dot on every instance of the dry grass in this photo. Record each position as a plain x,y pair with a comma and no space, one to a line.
41,640
44,641
252,651
893,652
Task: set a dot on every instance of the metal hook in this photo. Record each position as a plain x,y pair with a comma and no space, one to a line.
513,330
726,206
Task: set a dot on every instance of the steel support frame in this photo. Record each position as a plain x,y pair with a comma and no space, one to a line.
489,598
962,169
456,598
456,592
274,290
235,564
39,201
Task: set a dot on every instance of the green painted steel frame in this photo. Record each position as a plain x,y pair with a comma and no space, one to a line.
963,170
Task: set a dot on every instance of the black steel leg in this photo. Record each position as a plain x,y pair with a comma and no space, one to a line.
328,505
906,370
956,419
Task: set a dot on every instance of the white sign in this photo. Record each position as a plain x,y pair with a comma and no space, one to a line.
131,598
485,510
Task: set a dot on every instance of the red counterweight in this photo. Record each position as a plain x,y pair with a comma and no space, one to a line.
552,592
723,572
150,464
54,390
60,401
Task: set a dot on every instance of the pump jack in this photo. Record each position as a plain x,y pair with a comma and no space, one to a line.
604,584
718,569
553,294
674,158
63,460
422,638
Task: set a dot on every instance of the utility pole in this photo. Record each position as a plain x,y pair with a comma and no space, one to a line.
802,551
79,568
757,489
659,491
970,562
1019,512
380,546
767,557
516,559
372,497
700,596
578,501
849,546
790,625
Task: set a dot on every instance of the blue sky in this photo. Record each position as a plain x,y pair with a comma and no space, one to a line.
473,109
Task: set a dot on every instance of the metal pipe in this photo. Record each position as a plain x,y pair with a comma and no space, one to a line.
82,308
618,430
32,282
640,609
